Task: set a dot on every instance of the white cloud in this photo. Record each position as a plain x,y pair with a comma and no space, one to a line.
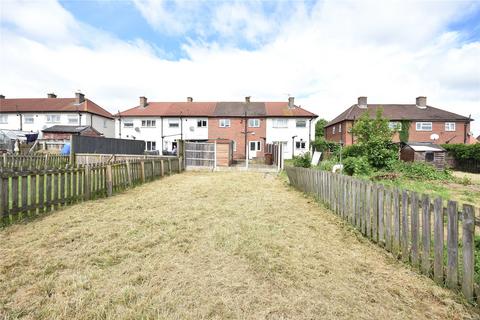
326,57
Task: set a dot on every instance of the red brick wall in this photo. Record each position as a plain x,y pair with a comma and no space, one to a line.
56,136
235,133
456,136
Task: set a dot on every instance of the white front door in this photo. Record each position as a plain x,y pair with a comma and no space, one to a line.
254,146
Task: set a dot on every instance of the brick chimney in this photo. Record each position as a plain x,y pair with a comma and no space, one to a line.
51,95
189,99
421,102
291,102
143,102
362,102
247,99
2,96
79,97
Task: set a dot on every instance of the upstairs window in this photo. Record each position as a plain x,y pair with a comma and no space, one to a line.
173,123
450,126
202,123
28,119
280,123
253,123
424,126
53,118
128,123
224,123
105,123
72,119
149,123
301,123
3,118
395,126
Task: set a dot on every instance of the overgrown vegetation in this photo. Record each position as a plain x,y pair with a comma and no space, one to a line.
303,160
464,151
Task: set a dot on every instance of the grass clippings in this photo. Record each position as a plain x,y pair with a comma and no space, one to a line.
230,245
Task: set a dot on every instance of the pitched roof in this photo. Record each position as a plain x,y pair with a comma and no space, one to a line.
51,105
68,129
217,109
424,146
399,112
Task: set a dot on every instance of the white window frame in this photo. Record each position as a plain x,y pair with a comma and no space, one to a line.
202,123
72,119
52,118
300,121
340,128
173,123
450,126
300,145
29,116
424,126
128,123
149,123
224,123
257,145
395,126
234,145
254,123
3,118
151,145
333,129
280,123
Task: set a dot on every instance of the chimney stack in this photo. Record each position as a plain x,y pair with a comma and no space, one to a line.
189,99
51,95
291,102
143,102
247,99
2,96
79,97
362,102
421,102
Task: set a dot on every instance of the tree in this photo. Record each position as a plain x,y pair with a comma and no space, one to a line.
320,128
374,140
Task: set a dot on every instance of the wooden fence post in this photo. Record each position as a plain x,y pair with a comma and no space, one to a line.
142,167
468,225
452,245
86,182
109,180
438,240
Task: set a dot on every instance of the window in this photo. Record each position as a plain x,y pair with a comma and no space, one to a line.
234,145
173,123
104,123
300,144
128,123
280,123
53,118
202,123
72,119
253,123
450,126
151,145
28,119
424,126
255,146
224,123
340,128
150,123
301,123
333,130
429,156
3,118
395,126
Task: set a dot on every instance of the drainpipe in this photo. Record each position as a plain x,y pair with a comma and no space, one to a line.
161,131
293,146
119,125
245,124
310,136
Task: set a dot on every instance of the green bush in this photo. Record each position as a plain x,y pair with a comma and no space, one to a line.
464,151
352,151
357,166
327,165
304,160
421,171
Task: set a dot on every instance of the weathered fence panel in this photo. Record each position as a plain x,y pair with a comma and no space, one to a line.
401,222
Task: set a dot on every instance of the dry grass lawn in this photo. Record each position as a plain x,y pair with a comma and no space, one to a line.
208,246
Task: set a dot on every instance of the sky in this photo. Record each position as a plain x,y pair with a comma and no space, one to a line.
324,53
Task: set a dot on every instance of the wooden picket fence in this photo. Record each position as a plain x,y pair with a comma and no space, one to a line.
31,192
33,161
401,222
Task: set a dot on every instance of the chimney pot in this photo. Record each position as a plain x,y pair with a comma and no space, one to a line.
362,102
421,102
51,95
291,102
189,99
79,97
143,102
247,99
2,96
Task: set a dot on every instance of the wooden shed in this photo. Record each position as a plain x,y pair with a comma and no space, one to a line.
223,152
423,152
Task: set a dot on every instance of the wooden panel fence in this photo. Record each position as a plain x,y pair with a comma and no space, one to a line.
31,192
33,161
401,222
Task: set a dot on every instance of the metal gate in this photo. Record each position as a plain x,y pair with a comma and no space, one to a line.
200,154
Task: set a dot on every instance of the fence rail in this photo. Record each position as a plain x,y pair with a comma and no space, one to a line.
33,161
401,222
31,192
91,158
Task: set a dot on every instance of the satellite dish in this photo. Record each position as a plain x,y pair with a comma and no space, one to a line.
137,129
192,128
434,137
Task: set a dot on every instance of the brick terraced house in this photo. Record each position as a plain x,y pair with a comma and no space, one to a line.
161,124
37,114
420,119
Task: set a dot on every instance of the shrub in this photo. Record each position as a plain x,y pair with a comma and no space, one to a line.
421,171
303,160
357,166
463,151
327,165
352,151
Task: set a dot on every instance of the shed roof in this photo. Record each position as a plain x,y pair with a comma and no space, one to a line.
425,146
68,129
